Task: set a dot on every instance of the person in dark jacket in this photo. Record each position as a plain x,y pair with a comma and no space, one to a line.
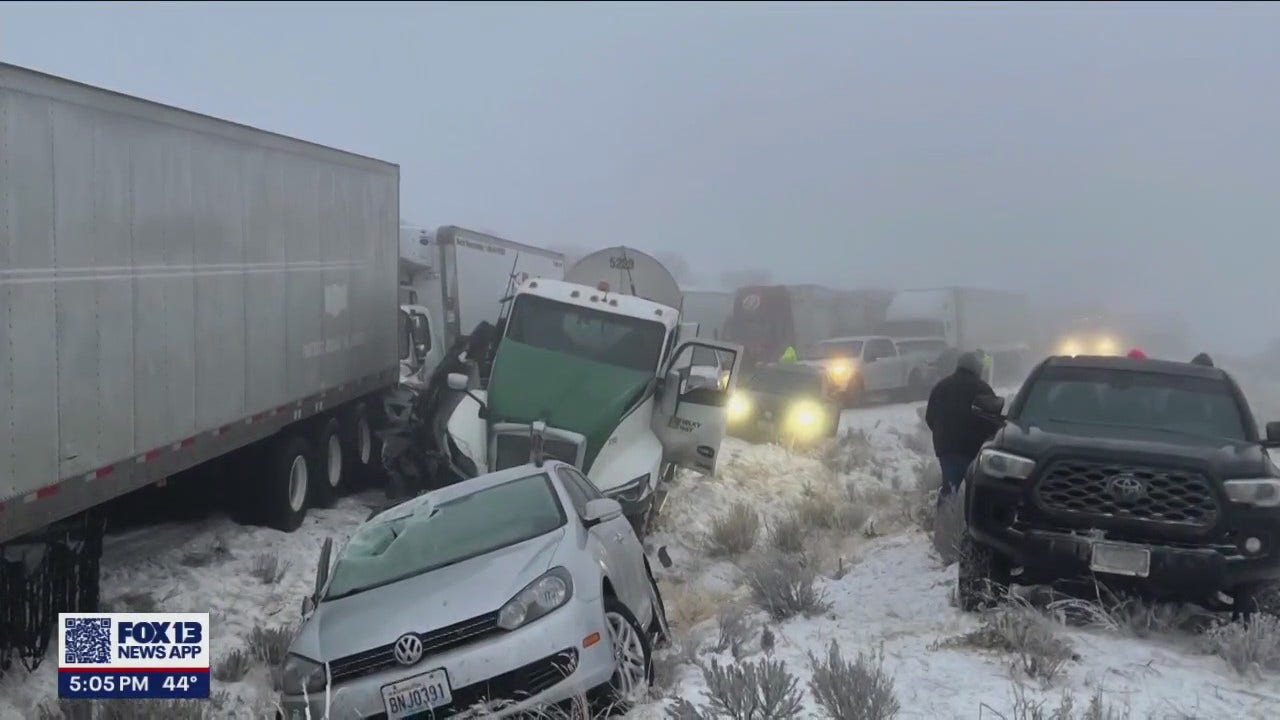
1202,359
958,433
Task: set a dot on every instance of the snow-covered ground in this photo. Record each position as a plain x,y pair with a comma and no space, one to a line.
885,587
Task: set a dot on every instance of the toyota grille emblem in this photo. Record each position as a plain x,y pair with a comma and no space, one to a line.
408,649
1127,488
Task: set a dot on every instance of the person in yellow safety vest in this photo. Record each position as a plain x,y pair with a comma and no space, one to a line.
789,355
987,364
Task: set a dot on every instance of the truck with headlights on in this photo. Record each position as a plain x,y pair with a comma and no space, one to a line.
1147,476
789,403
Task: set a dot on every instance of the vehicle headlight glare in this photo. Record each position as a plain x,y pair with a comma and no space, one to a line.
538,598
805,418
997,464
1259,492
739,407
1070,346
1107,346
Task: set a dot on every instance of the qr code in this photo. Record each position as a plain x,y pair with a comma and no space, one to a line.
88,641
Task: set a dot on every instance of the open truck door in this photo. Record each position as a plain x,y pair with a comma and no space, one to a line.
690,418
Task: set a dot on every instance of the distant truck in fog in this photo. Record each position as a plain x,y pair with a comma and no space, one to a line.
766,319
1100,331
967,319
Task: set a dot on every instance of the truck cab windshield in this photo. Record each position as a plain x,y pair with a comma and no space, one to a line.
608,338
777,381
1196,406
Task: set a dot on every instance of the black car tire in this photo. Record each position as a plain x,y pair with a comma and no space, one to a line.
982,576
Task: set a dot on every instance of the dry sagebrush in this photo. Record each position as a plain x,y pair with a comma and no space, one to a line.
734,532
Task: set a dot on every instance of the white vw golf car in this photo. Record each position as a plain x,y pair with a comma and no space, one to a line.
504,593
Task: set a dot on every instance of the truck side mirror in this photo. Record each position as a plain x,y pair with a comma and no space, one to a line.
1273,434
991,405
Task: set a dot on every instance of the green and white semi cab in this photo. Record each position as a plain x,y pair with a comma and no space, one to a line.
595,370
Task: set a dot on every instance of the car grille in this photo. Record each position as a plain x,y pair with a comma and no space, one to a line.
436,641
1091,489
513,450
514,686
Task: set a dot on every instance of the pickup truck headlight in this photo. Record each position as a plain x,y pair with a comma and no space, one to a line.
301,675
631,491
998,464
739,407
539,597
805,419
1259,492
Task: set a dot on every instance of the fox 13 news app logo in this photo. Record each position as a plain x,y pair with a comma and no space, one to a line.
133,655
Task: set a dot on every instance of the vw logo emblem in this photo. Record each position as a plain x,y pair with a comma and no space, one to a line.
751,302
1127,488
408,649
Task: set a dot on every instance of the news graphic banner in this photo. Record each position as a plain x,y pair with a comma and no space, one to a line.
133,655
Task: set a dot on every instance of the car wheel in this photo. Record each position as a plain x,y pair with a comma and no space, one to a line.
982,577
633,657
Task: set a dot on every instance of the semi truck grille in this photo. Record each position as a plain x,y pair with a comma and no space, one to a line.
513,450
436,641
1097,489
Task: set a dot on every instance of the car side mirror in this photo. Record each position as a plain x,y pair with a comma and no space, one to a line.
600,510
1273,434
322,572
992,405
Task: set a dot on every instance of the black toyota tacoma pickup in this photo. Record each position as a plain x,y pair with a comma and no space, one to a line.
1147,475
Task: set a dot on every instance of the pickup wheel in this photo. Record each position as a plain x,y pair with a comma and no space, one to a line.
982,577
286,491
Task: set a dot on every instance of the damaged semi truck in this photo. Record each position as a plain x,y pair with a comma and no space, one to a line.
596,369
176,290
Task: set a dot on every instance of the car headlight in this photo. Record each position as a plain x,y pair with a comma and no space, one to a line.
805,418
997,464
1259,492
539,597
739,407
840,370
1070,346
301,675
632,491
1106,346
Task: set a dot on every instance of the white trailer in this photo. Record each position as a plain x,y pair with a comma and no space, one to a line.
995,321
462,276
173,288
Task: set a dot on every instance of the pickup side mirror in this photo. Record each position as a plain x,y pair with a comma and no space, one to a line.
600,510
992,405
1273,434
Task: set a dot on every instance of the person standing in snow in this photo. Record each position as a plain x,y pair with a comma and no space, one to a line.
958,433
988,365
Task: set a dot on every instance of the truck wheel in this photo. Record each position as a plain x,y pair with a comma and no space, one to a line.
287,489
983,576
363,454
329,468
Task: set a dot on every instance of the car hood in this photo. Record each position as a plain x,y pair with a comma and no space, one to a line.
1227,457
424,602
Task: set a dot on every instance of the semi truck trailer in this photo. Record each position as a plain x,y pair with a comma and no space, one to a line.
175,289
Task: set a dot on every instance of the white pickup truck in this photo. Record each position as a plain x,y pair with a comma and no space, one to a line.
868,366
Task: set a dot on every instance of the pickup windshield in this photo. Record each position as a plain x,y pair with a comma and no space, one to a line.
612,339
429,537
1203,407
776,381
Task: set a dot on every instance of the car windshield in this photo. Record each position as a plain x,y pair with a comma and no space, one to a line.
427,537
775,381
834,350
1188,405
602,337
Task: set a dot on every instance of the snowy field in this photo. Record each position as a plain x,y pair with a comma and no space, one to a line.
847,516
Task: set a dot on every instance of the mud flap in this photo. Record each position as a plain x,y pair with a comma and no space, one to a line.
659,607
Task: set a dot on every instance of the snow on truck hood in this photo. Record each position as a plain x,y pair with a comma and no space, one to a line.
425,602
566,392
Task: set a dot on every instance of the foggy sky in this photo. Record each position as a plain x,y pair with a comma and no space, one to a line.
1128,154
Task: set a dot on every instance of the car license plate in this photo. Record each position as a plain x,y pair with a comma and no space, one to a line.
417,694
1131,560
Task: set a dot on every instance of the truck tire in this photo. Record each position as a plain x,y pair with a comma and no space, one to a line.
287,488
982,577
363,452
330,467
